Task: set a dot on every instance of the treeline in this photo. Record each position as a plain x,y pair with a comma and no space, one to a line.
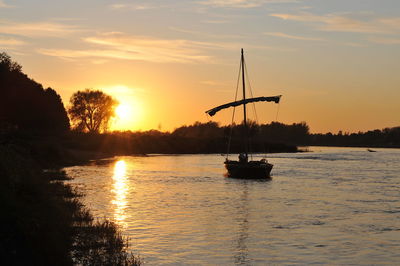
388,137
274,132
197,138
25,104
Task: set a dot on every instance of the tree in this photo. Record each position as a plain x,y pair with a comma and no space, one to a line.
91,110
6,64
25,105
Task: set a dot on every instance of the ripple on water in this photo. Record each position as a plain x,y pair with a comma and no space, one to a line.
337,205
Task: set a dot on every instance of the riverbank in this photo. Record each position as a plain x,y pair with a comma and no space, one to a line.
44,221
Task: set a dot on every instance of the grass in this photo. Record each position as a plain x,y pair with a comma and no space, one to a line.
44,222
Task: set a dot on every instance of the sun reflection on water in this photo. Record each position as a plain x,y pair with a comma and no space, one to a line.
120,189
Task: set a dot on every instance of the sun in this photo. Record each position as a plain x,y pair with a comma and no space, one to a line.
125,116
123,111
129,113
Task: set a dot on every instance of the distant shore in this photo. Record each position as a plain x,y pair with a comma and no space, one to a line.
351,146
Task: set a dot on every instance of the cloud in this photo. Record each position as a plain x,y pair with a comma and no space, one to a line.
118,6
152,49
121,46
132,6
4,5
243,3
294,37
227,44
392,41
37,29
9,42
216,21
354,44
117,45
208,36
347,22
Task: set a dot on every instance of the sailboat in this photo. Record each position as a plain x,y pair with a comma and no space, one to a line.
243,167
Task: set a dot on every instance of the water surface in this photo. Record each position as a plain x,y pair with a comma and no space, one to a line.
332,205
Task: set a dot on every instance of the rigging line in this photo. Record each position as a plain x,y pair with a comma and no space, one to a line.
237,81
277,112
251,93
233,113
254,106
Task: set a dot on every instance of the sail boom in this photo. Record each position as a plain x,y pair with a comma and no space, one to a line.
214,110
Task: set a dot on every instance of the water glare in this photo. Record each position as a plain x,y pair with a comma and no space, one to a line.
120,189
331,206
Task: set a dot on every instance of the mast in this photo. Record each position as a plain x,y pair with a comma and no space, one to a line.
246,146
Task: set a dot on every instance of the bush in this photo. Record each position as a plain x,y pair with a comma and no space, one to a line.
44,223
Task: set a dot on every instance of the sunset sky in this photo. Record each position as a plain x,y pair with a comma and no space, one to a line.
336,62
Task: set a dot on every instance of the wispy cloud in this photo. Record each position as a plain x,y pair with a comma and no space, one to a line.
243,3
37,29
207,35
121,46
294,37
121,6
118,6
117,45
381,40
74,54
4,5
354,44
152,49
348,22
230,41
10,42
216,21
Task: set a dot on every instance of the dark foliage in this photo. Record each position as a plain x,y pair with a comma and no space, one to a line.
25,105
196,138
91,110
44,223
211,138
388,137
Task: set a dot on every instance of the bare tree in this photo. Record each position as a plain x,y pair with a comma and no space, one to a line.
91,110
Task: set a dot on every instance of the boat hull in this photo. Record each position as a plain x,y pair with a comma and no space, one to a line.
248,170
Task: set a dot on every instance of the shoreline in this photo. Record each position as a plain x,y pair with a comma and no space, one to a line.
46,222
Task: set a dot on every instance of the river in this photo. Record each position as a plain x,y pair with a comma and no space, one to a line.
326,206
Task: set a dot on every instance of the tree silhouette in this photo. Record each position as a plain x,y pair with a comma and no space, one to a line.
91,110
25,105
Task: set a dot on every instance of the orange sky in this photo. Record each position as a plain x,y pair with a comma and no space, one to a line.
335,62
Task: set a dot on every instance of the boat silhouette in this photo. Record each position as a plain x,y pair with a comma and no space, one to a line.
243,167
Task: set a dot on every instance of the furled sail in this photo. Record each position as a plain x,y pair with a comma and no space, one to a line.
213,111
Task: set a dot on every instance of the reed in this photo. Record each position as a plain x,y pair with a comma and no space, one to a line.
45,223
